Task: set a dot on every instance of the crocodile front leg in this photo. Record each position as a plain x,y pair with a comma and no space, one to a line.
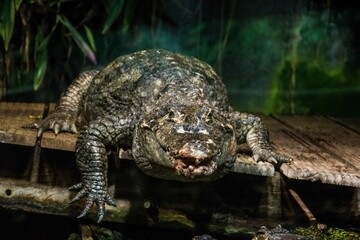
68,108
250,129
91,159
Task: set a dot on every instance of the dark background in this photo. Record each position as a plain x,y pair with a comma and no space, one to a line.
275,56
298,57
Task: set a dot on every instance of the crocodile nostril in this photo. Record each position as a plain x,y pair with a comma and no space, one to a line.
8,192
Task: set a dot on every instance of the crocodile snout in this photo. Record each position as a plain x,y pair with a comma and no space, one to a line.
197,150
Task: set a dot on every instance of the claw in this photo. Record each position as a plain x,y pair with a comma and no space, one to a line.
257,157
271,157
40,131
76,186
57,121
82,193
88,206
56,128
100,218
272,160
73,128
101,211
92,197
34,125
31,125
109,200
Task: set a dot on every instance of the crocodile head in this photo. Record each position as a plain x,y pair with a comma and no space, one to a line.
185,142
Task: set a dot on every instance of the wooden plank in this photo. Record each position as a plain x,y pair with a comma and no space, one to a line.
13,116
350,123
246,164
17,194
62,141
322,150
326,134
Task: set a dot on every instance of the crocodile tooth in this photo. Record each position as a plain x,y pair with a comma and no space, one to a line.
197,161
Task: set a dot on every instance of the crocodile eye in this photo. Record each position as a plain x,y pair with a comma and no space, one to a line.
209,117
171,116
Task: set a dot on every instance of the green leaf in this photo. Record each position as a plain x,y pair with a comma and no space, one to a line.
40,70
41,58
128,14
17,4
8,9
90,37
82,44
113,12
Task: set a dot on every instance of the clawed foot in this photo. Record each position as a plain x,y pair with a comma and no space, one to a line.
57,121
271,157
96,195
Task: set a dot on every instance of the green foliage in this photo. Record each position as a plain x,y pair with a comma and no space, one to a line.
311,74
113,9
34,48
90,37
8,9
76,36
327,234
128,14
258,47
293,62
40,21
41,57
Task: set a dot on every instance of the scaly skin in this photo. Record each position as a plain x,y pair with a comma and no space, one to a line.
171,110
251,130
68,108
92,160
277,233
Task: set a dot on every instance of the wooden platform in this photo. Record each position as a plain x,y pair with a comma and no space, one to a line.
324,149
35,173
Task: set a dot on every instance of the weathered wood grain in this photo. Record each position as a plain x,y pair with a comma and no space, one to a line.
322,150
16,194
246,164
350,123
62,141
13,116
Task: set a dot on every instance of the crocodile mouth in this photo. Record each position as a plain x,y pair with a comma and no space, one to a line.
192,167
198,160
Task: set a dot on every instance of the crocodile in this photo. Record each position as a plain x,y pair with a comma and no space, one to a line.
171,110
277,233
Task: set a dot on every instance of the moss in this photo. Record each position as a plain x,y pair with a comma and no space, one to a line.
170,216
327,234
